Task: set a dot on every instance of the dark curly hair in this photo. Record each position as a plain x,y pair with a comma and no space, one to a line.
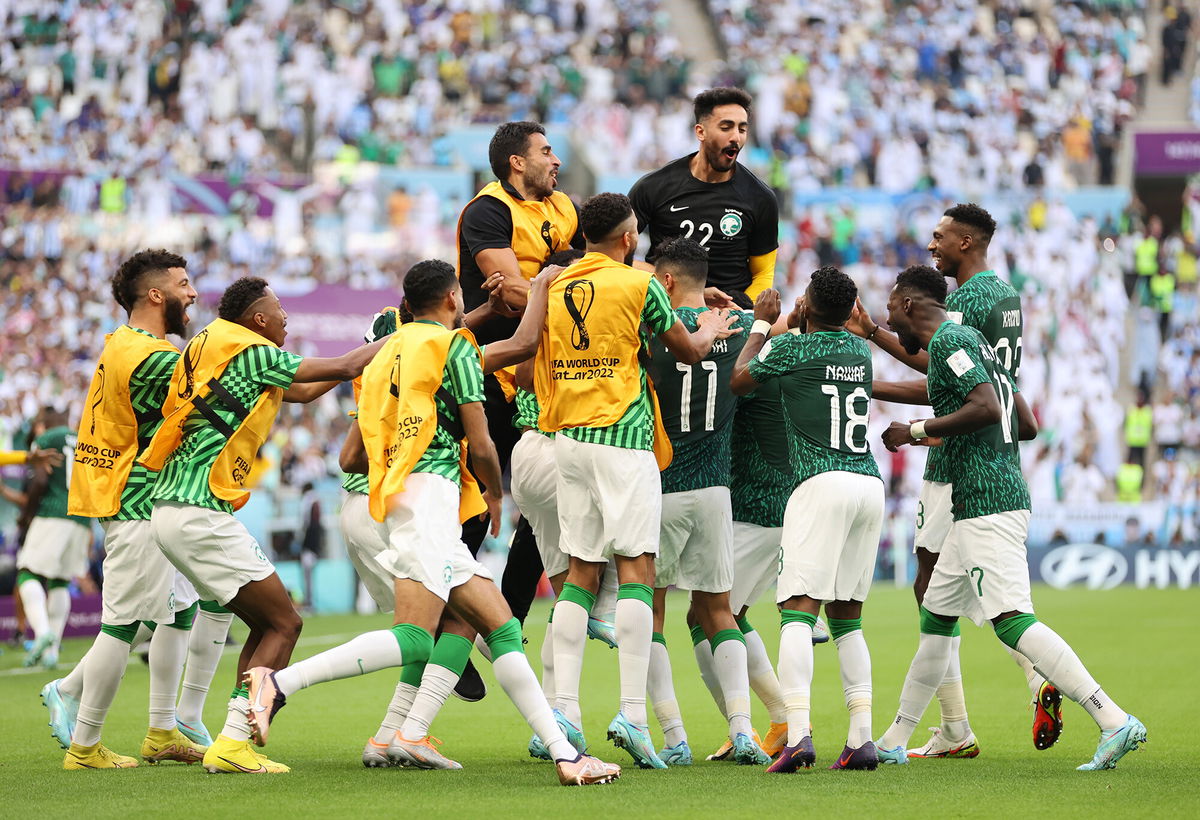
601,215
239,296
973,216
426,283
563,258
831,294
706,101
684,258
510,138
128,283
923,280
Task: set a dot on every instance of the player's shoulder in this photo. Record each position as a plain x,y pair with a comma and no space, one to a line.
748,182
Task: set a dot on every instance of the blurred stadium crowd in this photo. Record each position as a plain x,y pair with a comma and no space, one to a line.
121,98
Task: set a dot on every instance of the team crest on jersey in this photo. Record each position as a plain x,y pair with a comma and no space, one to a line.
731,224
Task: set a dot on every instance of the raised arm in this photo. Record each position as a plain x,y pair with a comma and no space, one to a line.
861,324
317,376
910,392
523,344
766,309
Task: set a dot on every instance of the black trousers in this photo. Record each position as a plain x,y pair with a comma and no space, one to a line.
524,569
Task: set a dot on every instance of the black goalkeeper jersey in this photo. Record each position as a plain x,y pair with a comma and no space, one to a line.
733,220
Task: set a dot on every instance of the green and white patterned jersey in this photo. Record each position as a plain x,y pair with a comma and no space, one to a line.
993,307
528,410
184,478
761,479
148,386
635,429
54,501
825,385
697,407
984,466
463,379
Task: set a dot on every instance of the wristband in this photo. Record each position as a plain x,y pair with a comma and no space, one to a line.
917,430
760,326
871,335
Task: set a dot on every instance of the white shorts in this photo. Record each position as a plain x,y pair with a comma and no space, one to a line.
830,537
139,581
365,538
425,537
212,549
56,548
755,562
983,569
185,594
609,500
695,549
935,514
534,489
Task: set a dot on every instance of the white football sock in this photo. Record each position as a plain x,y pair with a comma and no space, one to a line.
729,658
605,607
570,633
397,711
168,650
515,676
72,685
106,666
708,674
369,652
548,663
795,677
206,642
925,675
437,683
951,698
634,626
1062,667
33,598
661,688
855,662
1033,678
236,727
762,677
58,607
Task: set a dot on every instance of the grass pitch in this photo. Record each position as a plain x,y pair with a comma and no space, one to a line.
1141,646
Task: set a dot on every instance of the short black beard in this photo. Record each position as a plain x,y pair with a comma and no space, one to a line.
176,317
910,343
629,257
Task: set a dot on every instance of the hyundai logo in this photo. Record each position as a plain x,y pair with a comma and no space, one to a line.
1095,566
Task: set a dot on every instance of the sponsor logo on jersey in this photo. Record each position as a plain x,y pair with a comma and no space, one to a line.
731,224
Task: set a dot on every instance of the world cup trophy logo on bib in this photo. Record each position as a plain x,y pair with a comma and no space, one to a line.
99,396
191,357
578,297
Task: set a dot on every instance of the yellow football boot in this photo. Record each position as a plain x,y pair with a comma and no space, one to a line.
228,756
776,739
170,744
96,757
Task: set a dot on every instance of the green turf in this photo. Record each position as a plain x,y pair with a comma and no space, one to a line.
1141,645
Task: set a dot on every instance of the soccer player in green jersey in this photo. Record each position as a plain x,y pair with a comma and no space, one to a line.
55,546
696,529
198,532
982,572
824,377
990,305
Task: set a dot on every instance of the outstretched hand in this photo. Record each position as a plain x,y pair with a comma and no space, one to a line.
766,306
494,285
860,322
